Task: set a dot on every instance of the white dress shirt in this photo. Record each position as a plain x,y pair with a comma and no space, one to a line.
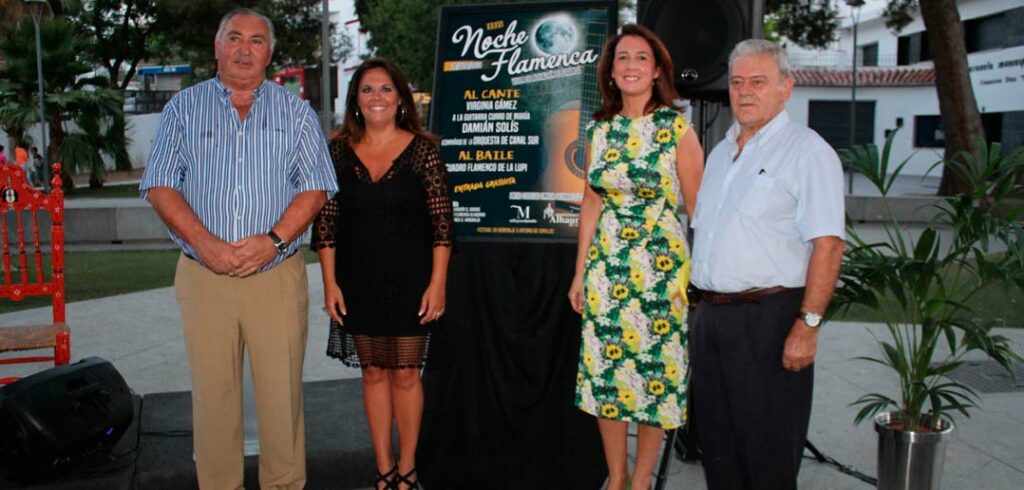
756,215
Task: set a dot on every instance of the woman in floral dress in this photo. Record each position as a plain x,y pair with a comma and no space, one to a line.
632,264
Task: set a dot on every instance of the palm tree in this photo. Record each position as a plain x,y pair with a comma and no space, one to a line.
13,119
70,96
15,115
97,132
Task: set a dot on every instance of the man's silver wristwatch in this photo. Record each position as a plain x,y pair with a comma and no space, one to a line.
279,244
810,318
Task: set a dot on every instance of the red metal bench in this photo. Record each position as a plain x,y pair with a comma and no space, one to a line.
25,273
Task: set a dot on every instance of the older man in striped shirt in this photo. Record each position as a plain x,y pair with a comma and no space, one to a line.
239,168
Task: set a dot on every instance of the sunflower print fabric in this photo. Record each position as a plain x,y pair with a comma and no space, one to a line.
633,362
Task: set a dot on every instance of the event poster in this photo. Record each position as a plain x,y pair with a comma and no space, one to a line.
515,85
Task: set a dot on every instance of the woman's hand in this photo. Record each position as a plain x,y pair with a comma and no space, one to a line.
334,302
432,304
576,293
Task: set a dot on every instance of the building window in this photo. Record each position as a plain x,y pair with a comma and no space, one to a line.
984,33
868,55
1014,37
831,120
1013,130
903,50
912,48
929,132
980,34
992,122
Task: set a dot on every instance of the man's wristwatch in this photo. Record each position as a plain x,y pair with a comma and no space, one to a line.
810,318
279,244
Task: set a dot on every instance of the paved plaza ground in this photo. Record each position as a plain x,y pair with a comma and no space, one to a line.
140,333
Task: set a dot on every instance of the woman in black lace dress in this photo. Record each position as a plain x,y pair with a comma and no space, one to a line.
384,243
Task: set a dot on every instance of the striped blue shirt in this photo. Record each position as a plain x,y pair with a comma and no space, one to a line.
238,176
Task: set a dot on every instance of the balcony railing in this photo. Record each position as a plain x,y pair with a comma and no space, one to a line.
838,59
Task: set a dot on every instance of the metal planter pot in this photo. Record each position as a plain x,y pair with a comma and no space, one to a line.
909,460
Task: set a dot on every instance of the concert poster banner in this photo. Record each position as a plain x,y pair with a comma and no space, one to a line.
514,87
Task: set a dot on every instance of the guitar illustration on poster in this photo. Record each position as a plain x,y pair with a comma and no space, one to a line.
565,133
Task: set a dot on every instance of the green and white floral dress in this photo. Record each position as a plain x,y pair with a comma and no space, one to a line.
633,361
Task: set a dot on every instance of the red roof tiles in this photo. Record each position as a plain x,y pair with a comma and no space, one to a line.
866,77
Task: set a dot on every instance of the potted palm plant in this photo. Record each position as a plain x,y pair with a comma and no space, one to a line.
922,287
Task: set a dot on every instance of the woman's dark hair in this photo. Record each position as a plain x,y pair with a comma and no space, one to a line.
664,92
352,127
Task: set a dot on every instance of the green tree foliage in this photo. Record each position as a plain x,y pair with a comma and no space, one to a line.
60,47
898,13
15,117
186,32
118,31
125,33
97,114
69,95
771,30
811,23
403,31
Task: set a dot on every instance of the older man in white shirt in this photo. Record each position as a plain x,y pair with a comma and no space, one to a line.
768,244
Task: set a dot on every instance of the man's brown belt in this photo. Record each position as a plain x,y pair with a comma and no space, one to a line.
749,296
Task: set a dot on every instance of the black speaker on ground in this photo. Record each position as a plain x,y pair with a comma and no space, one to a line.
59,419
699,35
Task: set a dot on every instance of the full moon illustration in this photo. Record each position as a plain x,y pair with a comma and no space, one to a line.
555,35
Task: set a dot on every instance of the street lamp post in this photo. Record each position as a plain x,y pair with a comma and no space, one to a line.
325,66
855,6
37,13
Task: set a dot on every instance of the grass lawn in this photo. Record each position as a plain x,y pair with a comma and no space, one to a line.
107,191
993,303
1001,303
90,275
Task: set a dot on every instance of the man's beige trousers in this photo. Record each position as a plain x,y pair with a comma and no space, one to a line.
267,314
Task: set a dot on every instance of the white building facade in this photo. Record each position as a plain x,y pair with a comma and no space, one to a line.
896,81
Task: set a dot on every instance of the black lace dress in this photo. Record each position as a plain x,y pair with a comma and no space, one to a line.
384,233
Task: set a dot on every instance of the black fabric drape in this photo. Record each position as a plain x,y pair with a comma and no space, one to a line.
499,384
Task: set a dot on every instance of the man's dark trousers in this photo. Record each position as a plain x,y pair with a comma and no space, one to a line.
752,415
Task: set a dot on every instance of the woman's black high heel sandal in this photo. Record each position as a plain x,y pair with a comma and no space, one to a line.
400,479
389,479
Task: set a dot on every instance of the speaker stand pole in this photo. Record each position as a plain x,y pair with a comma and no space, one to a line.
703,115
817,454
661,478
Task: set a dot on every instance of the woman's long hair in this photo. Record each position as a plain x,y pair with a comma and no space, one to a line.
352,127
664,92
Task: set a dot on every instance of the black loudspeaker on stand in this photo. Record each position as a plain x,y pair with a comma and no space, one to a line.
699,36
59,419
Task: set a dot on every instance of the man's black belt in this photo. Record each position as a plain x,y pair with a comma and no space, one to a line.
748,296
